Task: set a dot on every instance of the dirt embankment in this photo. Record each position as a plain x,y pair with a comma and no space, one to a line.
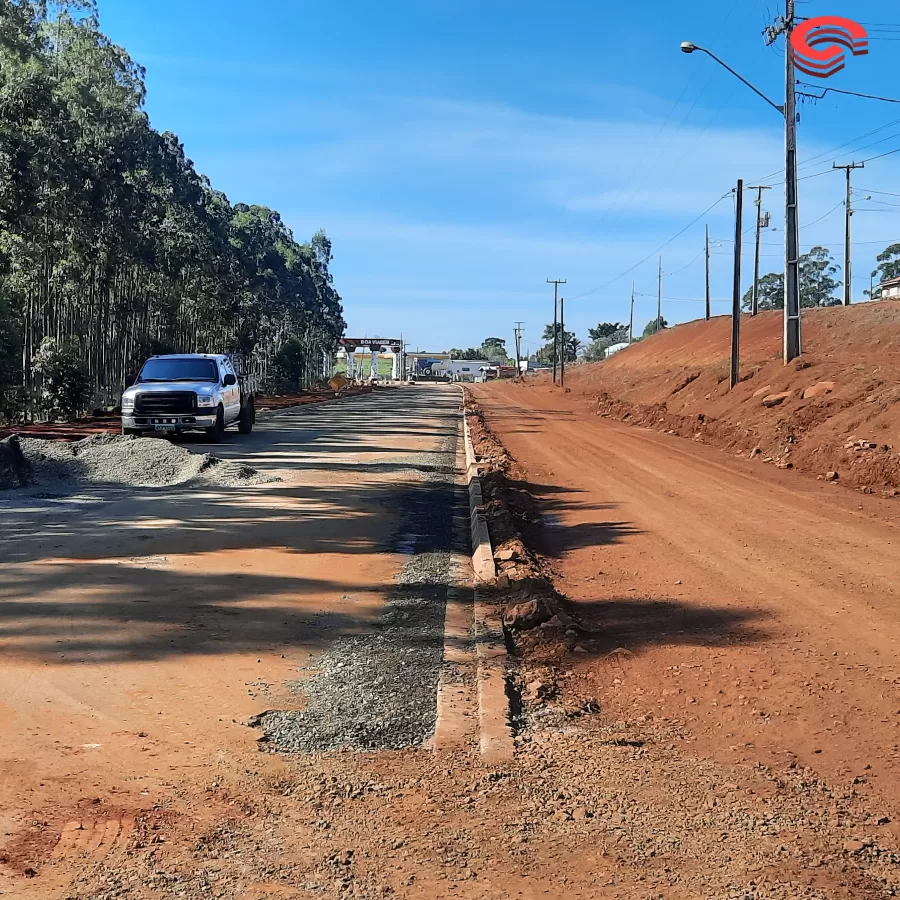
833,413
536,617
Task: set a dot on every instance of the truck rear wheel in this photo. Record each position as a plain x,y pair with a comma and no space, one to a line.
247,417
217,432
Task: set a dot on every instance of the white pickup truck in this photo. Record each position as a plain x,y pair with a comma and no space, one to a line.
189,392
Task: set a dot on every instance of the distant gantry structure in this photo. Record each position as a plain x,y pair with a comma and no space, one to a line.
372,348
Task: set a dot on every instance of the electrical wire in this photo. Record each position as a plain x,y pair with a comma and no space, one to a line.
833,90
655,252
871,191
816,222
831,152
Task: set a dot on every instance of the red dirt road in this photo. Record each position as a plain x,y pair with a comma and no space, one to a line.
761,607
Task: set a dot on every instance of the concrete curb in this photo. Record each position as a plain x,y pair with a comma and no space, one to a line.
494,726
482,553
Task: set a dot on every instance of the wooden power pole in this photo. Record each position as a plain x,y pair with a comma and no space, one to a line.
556,282
736,296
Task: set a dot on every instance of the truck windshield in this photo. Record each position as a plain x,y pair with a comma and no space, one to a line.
179,369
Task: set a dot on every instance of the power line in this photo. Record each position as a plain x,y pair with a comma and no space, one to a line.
631,191
655,252
871,191
833,90
830,211
833,150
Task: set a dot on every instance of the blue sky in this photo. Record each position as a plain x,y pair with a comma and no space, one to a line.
459,153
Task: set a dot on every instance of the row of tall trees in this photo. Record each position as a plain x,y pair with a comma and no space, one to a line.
112,245
818,283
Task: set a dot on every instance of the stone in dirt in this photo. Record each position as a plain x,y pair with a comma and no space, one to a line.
506,555
527,615
832,476
775,399
15,469
762,390
818,390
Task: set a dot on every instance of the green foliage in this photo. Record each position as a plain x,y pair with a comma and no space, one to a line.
817,283
492,349
65,381
771,293
10,362
290,360
110,240
604,330
888,266
654,325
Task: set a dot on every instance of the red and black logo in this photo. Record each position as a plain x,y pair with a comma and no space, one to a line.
837,34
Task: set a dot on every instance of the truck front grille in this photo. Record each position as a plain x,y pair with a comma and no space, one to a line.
166,403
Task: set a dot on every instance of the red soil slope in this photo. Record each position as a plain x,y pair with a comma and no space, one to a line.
677,381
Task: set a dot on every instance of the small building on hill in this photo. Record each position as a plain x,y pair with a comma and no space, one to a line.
890,289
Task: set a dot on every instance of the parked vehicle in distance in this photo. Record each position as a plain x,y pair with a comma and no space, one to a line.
190,392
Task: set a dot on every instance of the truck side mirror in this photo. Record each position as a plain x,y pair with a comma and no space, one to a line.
229,380
130,379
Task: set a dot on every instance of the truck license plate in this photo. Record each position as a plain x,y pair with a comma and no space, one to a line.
164,427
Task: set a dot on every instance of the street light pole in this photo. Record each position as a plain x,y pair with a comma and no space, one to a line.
788,111
848,213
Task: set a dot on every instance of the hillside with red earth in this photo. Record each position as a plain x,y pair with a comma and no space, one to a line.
832,413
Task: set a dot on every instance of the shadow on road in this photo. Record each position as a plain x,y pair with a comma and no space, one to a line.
122,573
636,624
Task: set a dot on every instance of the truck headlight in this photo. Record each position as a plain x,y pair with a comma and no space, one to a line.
206,401
127,403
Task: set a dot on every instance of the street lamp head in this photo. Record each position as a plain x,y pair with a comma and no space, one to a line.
688,47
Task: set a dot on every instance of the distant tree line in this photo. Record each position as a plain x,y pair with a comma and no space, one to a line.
113,246
492,349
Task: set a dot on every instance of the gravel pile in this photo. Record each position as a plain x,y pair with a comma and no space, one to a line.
142,462
378,691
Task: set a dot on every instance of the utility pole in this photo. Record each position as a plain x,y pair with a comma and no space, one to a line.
760,224
658,298
707,275
556,282
736,297
631,318
562,328
518,333
792,343
848,212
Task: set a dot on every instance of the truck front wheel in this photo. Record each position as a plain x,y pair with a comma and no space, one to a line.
247,417
217,432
